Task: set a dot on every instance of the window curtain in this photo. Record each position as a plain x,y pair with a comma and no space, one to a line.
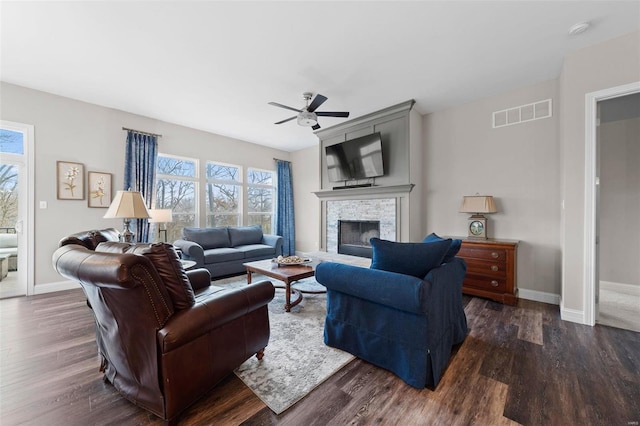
140,174
285,224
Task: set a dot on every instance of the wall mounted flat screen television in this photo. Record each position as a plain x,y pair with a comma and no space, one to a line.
354,159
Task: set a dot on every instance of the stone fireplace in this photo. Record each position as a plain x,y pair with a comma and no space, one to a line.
361,214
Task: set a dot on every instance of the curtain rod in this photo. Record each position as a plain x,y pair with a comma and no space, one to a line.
277,159
144,133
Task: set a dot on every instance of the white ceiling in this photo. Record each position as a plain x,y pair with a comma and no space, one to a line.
214,65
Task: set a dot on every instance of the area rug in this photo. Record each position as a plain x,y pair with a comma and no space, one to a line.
296,360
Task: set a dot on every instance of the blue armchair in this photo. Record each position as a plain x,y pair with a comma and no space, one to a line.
399,322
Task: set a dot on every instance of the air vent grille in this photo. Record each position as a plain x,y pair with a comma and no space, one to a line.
522,114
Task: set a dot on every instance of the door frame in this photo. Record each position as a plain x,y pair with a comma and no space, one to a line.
591,183
26,242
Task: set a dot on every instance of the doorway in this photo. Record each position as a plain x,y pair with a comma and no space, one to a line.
618,206
16,209
612,202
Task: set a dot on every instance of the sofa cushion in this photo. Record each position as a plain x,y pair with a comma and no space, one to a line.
208,238
454,248
244,235
8,240
218,255
415,259
256,250
167,263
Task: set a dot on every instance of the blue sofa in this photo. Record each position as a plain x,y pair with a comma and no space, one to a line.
223,250
398,321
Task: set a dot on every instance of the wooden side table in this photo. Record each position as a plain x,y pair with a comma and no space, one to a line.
491,269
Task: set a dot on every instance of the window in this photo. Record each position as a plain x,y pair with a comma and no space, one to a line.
260,195
223,195
10,143
177,189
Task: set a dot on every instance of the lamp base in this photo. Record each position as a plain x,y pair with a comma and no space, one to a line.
127,236
477,227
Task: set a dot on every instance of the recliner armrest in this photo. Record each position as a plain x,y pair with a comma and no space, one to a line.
209,313
191,251
399,291
199,278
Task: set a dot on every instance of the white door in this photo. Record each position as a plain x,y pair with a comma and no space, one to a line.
16,209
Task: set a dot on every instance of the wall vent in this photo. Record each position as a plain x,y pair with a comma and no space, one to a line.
521,114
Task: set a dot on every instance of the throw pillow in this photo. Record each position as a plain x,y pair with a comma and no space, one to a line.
415,259
453,249
208,238
167,263
244,235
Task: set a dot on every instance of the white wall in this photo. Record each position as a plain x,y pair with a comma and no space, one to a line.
306,180
70,130
601,66
519,165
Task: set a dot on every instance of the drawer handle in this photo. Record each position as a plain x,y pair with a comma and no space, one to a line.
494,268
494,254
494,283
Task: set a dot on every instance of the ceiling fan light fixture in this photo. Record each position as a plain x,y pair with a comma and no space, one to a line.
307,119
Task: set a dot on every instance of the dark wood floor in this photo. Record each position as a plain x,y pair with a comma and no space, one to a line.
518,365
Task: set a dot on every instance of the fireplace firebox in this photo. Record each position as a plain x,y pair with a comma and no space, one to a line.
354,236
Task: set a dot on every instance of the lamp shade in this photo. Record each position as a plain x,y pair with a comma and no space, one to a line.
161,216
128,205
478,204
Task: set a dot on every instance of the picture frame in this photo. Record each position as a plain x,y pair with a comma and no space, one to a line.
70,180
100,193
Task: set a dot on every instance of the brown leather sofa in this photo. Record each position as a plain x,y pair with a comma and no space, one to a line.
166,336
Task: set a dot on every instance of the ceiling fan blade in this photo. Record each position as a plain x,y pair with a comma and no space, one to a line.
285,107
316,127
343,114
317,101
288,119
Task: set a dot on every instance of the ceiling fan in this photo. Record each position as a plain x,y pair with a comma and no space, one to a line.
308,116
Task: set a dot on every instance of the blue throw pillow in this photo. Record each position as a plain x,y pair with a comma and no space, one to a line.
415,259
453,249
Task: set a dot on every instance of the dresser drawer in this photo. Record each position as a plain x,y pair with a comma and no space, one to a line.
487,253
485,283
487,267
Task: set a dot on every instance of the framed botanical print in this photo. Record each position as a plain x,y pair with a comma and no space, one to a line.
99,189
70,180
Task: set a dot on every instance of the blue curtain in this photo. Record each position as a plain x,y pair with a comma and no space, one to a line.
140,174
285,223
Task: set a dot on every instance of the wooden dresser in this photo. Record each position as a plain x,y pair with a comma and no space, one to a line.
491,269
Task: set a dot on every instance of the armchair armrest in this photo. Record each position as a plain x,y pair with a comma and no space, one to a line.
399,291
199,278
189,324
191,251
275,241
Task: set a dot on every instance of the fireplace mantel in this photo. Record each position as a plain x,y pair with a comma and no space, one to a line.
353,193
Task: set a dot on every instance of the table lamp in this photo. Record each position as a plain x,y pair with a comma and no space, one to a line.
127,205
477,205
161,216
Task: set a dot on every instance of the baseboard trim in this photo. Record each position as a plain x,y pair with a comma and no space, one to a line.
539,296
572,315
630,289
55,286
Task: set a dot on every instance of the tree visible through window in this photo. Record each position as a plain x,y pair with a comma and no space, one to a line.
10,143
223,196
176,189
260,194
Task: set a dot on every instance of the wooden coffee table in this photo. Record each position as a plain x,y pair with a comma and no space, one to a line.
286,273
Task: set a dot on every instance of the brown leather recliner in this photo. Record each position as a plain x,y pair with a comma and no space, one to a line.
166,336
